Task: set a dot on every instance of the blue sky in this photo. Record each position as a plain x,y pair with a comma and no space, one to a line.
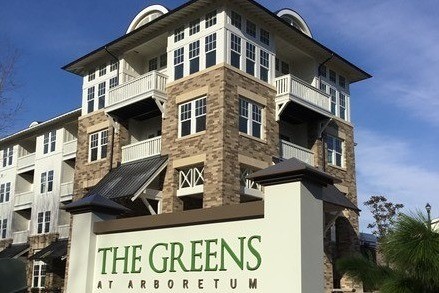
395,112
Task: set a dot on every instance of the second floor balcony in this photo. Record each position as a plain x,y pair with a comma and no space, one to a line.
24,200
142,149
137,94
69,149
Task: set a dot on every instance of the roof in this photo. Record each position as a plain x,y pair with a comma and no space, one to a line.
127,179
95,202
14,250
161,25
57,249
40,127
332,195
289,171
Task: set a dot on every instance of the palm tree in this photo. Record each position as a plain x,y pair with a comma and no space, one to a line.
411,253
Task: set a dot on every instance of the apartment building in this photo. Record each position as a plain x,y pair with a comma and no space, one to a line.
36,179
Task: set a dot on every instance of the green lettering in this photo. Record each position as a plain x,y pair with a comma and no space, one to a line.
255,253
124,258
225,247
176,258
136,258
151,259
104,258
196,255
210,254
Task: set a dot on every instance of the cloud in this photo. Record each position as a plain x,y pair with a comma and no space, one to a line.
392,167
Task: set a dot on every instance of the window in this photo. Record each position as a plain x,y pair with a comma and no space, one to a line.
49,142
114,82
163,60
5,192
8,154
98,145
114,65
46,182
194,57
192,117
153,65
265,37
333,94
334,151
101,95
342,105
250,58
250,118
179,34
91,75
4,228
265,64
285,69
211,19
103,70
178,63
323,70
210,48
236,20
43,224
39,274
323,87
342,81
235,54
90,99
194,27
250,28
332,76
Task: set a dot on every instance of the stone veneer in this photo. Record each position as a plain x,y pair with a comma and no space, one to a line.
221,142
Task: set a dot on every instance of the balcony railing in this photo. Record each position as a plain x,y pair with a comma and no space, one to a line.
24,199
190,181
293,86
26,161
142,149
20,236
290,150
63,231
136,89
69,148
66,191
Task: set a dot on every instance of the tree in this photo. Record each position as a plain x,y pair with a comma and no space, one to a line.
9,107
411,250
384,212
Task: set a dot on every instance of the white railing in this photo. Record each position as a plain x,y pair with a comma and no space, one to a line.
69,148
291,85
148,82
24,198
142,149
190,181
66,189
63,231
290,150
26,161
20,236
247,183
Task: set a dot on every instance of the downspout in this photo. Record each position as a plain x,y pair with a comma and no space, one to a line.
113,128
321,131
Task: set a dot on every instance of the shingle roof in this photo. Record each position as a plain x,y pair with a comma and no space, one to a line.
128,178
13,250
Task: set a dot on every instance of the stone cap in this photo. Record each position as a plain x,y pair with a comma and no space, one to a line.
95,203
291,170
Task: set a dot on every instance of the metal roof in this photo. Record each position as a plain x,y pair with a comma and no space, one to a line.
95,202
14,250
163,23
128,178
332,195
57,249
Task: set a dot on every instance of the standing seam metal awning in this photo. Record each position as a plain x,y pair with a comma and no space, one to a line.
57,249
14,250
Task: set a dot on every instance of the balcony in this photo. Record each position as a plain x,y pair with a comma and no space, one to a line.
292,88
20,237
66,191
24,200
63,231
150,85
290,150
142,149
69,149
26,163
